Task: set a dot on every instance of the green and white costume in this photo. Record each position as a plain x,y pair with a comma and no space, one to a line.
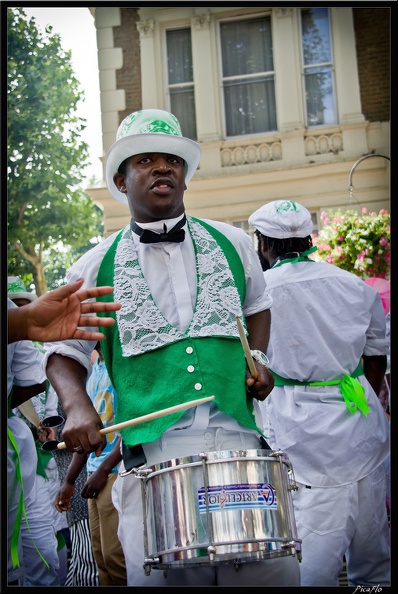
152,364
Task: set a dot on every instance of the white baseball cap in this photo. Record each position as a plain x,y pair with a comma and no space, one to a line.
149,131
281,219
17,290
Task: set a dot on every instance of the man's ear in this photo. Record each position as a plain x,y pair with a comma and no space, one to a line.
264,247
120,183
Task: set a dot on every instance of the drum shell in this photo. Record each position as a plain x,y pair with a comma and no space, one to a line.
246,516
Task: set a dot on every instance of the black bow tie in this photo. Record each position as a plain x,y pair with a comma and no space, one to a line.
176,234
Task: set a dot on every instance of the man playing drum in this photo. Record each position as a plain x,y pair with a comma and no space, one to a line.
175,339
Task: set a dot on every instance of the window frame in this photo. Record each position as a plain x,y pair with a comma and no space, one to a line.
314,65
168,85
221,78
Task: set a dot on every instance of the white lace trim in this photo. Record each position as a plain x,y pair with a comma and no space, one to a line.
141,325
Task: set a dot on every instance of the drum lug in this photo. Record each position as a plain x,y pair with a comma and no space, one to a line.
291,545
211,552
277,453
148,562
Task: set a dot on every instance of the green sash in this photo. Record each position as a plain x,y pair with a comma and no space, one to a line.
352,391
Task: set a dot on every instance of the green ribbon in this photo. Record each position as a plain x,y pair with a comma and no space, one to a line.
43,459
303,257
21,510
61,542
21,505
352,390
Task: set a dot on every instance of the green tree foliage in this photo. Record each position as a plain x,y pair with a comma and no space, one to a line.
46,156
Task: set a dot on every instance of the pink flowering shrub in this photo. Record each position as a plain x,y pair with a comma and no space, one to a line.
356,242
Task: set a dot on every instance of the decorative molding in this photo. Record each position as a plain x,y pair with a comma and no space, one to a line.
282,11
253,153
202,21
323,143
146,28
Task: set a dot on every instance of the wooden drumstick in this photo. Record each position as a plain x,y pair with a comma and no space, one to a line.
246,348
29,412
149,417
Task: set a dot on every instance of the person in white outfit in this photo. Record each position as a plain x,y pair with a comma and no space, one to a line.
45,405
32,543
327,351
176,338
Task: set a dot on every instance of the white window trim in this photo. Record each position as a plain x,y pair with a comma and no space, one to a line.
249,16
304,69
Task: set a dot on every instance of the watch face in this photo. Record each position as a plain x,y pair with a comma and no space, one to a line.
260,357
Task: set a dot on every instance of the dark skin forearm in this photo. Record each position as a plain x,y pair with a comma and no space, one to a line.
21,394
375,369
258,326
97,481
75,467
83,423
112,459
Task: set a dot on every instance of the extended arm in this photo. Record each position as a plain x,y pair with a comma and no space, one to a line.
64,495
97,481
58,314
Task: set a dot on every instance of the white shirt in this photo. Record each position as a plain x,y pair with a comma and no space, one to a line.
170,271
323,320
24,363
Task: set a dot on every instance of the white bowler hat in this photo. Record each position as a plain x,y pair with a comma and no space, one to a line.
149,131
17,290
281,219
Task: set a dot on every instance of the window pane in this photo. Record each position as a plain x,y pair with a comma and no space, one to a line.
316,41
180,72
182,104
179,56
246,47
248,76
318,67
250,106
319,96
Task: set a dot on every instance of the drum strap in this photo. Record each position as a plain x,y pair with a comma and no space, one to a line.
352,391
133,457
201,419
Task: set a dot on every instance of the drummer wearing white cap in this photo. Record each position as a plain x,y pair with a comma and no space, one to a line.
327,351
181,282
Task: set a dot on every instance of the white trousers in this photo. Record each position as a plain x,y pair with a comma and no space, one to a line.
39,536
349,520
126,496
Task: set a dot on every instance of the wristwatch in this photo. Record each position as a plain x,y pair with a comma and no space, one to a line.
260,357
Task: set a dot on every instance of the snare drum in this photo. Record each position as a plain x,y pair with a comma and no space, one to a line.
218,507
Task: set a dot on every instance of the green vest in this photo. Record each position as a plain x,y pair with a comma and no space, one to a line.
181,371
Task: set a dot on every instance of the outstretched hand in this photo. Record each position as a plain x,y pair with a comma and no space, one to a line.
57,315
